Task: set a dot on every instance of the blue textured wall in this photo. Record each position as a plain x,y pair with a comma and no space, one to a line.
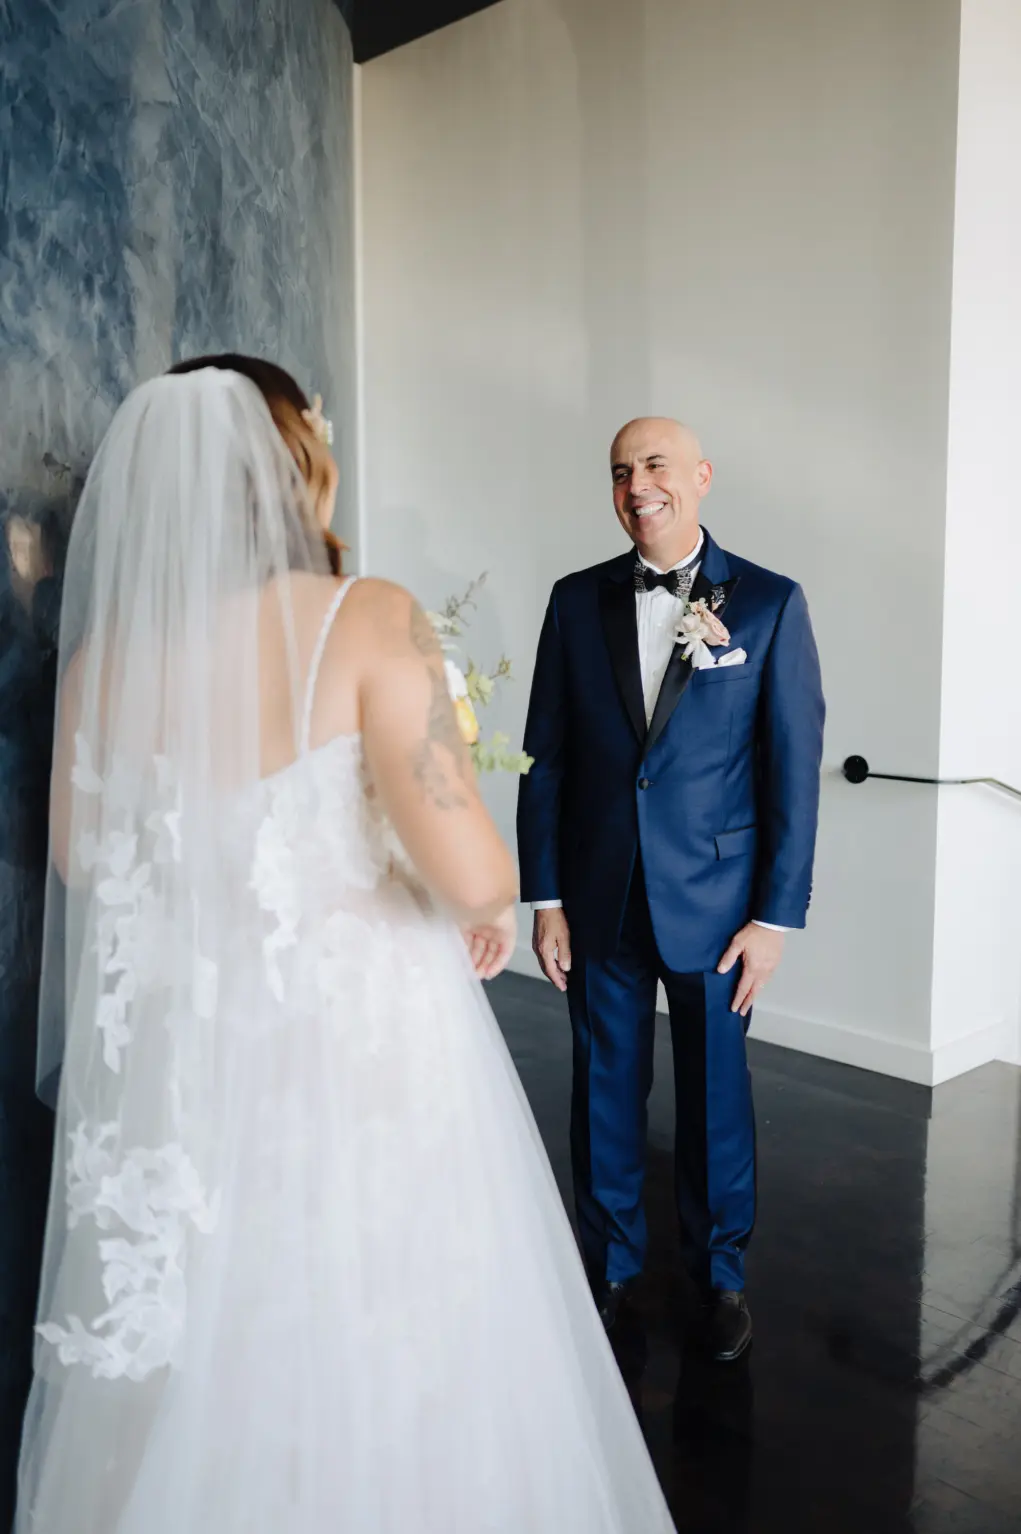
175,177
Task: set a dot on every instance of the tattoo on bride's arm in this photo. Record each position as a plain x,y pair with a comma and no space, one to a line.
423,635
438,762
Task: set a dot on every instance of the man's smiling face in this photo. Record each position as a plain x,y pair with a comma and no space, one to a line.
659,479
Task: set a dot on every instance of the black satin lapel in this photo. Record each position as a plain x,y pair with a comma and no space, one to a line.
678,672
620,625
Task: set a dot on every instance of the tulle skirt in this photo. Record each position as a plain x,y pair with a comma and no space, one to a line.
388,1329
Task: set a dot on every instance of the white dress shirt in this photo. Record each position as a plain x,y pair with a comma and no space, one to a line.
658,613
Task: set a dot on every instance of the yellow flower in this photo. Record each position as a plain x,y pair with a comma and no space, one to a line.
457,687
467,722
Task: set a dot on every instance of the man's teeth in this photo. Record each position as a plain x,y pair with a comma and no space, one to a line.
650,510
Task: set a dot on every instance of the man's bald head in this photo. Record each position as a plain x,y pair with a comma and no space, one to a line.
659,479
661,427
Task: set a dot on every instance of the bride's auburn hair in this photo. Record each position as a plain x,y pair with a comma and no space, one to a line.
287,403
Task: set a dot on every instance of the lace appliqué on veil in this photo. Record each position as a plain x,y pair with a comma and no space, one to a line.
153,1195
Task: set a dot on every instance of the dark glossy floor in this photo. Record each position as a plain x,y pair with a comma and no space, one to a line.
883,1392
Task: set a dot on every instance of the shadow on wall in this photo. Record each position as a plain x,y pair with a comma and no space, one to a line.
34,527
33,538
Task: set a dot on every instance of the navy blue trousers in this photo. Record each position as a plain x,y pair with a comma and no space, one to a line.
613,1017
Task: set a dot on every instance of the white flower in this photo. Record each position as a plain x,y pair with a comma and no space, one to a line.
320,425
697,630
456,684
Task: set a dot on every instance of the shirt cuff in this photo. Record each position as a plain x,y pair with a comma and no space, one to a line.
770,926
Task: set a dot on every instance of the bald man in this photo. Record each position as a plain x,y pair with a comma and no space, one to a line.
667,833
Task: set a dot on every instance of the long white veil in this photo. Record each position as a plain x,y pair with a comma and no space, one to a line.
307,1267
181,571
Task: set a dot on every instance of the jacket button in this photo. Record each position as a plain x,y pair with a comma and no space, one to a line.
643,783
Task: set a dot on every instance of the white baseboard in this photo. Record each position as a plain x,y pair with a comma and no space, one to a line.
852,1046
998,1041
847,1046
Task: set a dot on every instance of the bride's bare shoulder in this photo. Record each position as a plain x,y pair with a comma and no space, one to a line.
379,620
393,615
380,596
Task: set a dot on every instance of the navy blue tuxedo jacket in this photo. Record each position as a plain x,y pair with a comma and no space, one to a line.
720,794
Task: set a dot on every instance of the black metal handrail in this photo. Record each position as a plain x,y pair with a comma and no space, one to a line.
856,769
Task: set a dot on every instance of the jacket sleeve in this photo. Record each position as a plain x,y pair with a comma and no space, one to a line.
540,790
792,715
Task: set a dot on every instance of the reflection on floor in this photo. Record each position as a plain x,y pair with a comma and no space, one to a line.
883,1393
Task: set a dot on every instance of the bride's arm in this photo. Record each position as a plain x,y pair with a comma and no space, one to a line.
419,764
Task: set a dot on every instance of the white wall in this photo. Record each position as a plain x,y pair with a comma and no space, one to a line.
575,212
977,969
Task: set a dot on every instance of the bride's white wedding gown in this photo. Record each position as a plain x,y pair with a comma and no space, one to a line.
380,1323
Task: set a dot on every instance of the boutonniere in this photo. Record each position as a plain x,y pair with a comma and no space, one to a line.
700,632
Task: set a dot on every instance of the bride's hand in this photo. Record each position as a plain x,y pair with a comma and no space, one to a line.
491,944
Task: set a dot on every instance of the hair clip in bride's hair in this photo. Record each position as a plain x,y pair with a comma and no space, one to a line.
320,425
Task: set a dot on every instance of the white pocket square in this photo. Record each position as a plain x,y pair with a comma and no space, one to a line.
733,658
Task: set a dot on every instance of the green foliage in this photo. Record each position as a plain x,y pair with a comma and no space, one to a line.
491,755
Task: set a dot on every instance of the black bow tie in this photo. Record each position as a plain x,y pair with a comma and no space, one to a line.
677,582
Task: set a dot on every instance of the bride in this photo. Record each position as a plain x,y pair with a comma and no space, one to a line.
307,1269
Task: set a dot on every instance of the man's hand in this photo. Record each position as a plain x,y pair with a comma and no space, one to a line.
760,950
491,944
551,944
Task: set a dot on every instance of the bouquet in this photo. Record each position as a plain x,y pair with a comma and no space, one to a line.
473,688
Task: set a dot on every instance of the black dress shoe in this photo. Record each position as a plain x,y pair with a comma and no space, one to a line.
610,1300
729,1325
